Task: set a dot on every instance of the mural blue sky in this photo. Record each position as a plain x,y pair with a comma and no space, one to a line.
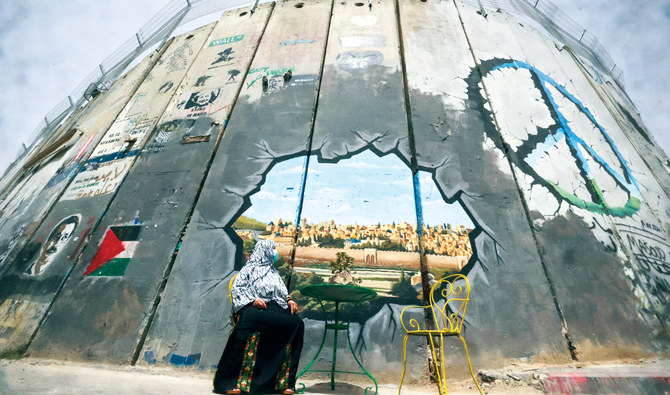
48,48
365,189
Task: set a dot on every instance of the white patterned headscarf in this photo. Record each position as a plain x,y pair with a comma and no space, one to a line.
259,279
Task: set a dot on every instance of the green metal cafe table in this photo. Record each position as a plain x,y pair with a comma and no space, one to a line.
338,293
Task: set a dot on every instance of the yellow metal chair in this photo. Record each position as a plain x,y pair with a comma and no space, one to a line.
230,286
448,303
234,318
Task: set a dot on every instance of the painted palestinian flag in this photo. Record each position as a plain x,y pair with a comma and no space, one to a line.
115,251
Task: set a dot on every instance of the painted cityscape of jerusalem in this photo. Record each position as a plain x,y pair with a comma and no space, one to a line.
363,207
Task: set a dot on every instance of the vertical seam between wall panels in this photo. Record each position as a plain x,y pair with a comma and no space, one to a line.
144,74
614,227
566,334
418,209
94,228
423,264
144,332
303,181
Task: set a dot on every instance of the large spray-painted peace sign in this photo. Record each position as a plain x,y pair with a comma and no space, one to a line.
574,147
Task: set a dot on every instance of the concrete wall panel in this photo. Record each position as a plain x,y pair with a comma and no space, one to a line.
38,271
269,130
150,210
459,167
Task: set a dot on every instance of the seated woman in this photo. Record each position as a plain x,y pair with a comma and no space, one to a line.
264,348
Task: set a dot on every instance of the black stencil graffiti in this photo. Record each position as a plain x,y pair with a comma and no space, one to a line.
224,56
167,130
201,80
233,73
166,87
650,254
202,99
177,60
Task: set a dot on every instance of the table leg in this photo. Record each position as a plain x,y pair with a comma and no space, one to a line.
332,370
323,340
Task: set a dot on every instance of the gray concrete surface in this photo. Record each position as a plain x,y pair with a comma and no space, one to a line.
42,376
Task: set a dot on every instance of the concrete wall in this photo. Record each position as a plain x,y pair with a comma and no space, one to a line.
339,119
28,202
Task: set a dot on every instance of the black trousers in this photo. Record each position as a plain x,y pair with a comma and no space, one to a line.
262,352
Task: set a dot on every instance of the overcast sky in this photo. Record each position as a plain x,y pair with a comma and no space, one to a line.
47,48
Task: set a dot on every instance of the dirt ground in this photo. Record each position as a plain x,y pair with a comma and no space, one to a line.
37,376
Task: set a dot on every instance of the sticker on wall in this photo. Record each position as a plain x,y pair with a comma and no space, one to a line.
226,40
364,20
54,245
359,61
115,252
362,41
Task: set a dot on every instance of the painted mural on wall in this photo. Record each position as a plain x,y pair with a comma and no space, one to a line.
61,241
597,178
363,207
54,244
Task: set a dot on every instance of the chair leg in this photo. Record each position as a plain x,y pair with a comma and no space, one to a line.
442,364
442,385
404,361
467,356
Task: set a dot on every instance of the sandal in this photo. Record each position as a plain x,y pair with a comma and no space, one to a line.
288,391
235,391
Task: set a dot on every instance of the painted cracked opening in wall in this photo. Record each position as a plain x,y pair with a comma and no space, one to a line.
363,206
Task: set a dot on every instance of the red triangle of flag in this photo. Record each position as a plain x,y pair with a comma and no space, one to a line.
110,247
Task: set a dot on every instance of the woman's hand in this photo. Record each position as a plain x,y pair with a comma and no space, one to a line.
293,305
259,304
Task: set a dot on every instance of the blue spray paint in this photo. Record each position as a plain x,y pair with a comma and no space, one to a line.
180,361
294,42
417,203
573,139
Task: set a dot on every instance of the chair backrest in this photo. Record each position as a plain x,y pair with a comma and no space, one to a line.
230,286
448,301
